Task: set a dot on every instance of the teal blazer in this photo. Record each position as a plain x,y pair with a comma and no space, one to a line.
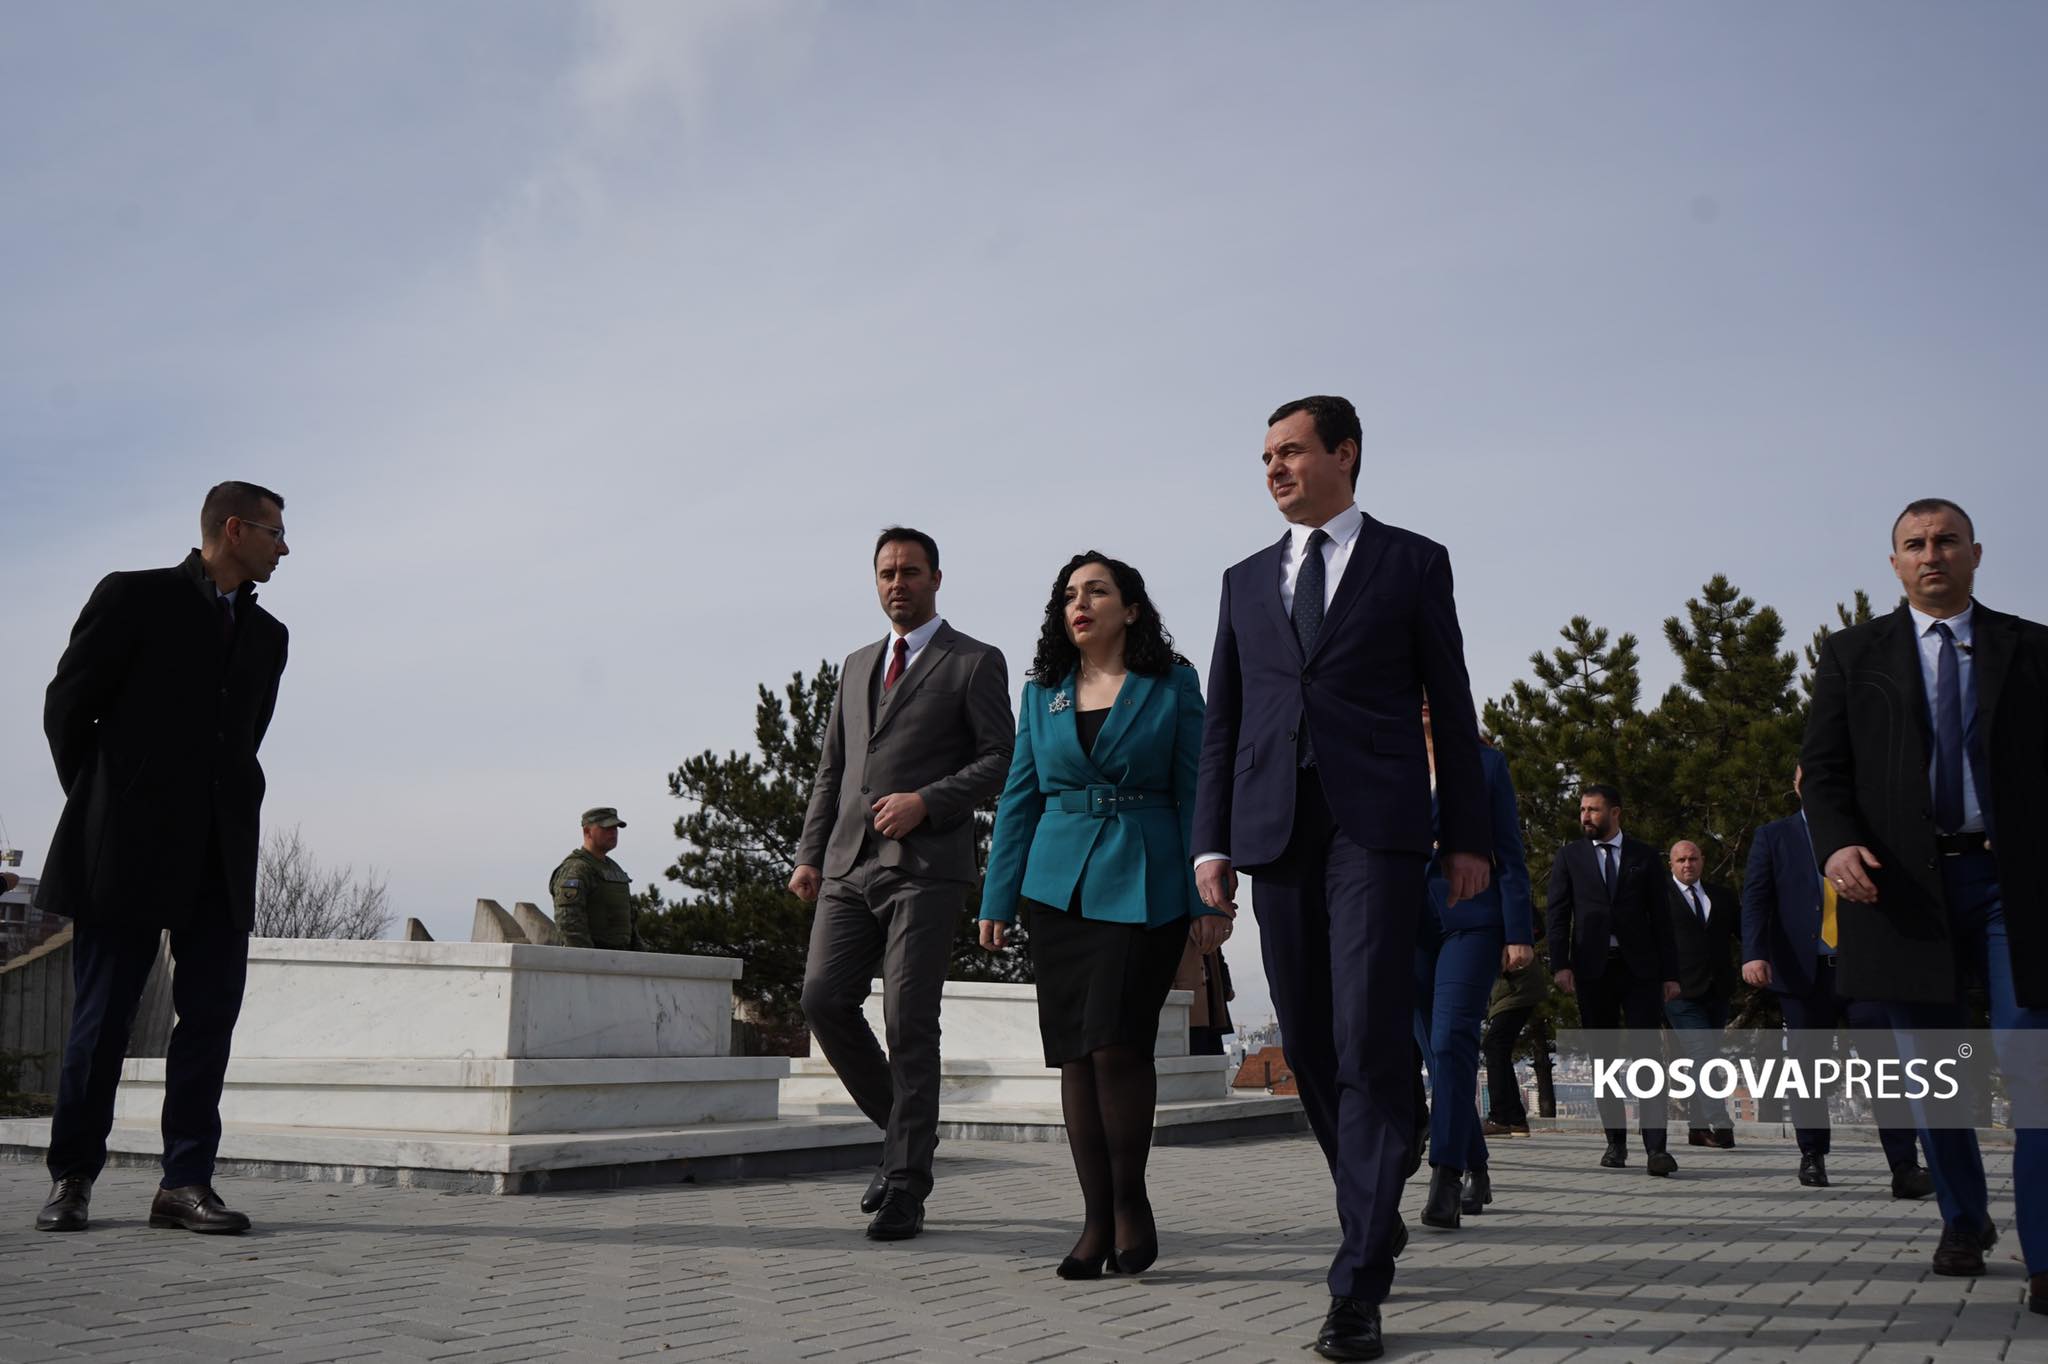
1134,864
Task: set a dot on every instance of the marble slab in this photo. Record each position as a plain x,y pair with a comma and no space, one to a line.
972,1080
1000,1021
361,1000
493,1097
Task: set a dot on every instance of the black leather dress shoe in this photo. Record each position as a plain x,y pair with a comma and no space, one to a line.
1813,1171
1961,1252
900,1217
1350,1331
1661,1163
1724,1137
1910,1180
871,1199
66,1210
1478,1192
1445,1195
1698,1136
196,1207
1616,1155
2037,1293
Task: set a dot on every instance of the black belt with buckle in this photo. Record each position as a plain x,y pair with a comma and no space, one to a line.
1961,845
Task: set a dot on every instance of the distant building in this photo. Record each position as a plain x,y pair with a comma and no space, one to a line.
22,925
1266,1069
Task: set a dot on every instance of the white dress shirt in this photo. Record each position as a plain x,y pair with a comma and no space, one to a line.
1343,531
1966,675
1687,892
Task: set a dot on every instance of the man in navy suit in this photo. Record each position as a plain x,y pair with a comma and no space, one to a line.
1788,947
1611,945
1315,782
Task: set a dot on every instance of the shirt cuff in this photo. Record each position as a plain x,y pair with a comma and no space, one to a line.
1200,858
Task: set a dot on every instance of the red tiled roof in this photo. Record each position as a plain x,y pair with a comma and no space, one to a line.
1265,1069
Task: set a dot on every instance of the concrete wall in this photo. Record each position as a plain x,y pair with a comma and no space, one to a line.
35,1010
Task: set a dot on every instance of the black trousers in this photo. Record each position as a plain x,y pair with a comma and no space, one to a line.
1617,999
1503,1095
109,967
1820,1011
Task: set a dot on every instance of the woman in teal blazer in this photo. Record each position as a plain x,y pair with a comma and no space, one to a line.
1094,842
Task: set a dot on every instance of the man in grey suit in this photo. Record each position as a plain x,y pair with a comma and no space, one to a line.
920,734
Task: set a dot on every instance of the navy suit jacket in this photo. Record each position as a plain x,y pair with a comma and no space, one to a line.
1390,635
1781,904
1506,900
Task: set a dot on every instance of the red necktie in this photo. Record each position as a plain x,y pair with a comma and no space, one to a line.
896,662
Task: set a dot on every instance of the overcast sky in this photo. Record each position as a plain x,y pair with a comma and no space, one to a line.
590,344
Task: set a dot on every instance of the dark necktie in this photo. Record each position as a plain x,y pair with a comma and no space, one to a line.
1948,734
227,621
1697,907
896,664
1308,618
1607,867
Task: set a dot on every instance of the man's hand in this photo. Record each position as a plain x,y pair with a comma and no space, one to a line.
805,882
1564,980
1847,870
1672,990
1208,932
995,935
1757,973
1468,873
897,815
1216,883
1516,955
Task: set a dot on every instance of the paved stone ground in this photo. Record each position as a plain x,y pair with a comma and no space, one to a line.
1729,1261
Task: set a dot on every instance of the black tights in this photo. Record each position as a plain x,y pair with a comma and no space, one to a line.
1109,1096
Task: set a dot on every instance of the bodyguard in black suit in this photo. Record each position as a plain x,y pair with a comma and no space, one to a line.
1789,935
1704,920
1926,764
1610,944
154,717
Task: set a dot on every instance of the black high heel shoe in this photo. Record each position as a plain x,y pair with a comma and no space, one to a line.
1138,1258
1074,1268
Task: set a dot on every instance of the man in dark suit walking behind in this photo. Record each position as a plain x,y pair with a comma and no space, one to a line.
1611,945
920,734
1704,919
154,717
1314,779
1926,785
1790,914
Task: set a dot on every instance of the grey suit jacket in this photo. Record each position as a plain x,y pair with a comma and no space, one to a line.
944,731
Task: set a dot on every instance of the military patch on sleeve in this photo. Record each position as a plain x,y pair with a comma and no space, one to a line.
569,889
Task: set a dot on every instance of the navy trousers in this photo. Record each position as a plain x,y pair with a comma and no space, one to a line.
1819,1010
1977,919
109,968
1337,926
1454,975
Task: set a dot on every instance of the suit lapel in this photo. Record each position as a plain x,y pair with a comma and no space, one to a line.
1904,663
906,686
1994,645
1266,580
858,686
1365,557
1130,699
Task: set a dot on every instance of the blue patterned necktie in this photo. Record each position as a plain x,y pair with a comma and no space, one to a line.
1308,618
1948,734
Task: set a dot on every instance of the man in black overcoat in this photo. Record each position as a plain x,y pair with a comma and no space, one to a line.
154,717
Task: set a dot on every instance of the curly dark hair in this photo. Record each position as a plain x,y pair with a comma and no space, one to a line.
1148,648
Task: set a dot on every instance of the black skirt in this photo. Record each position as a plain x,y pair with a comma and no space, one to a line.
1100,984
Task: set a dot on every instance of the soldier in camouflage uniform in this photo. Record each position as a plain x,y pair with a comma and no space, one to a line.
593,895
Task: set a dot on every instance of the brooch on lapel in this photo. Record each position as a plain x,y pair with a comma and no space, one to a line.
1059,702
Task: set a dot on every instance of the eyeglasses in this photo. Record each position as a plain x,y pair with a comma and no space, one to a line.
276,531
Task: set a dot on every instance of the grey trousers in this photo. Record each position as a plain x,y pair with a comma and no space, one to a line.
880,916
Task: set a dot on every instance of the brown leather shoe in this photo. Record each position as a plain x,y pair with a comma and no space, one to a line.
1503,1129
196,1207
66,1210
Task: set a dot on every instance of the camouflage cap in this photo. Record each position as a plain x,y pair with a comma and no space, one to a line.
604,817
